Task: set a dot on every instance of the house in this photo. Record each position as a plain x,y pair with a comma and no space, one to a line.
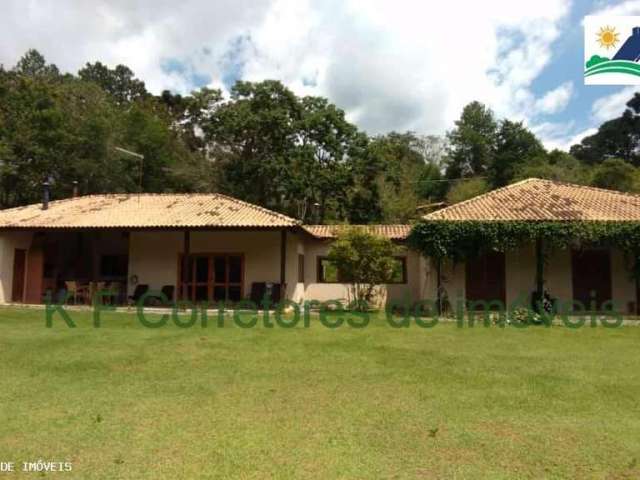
214,247
583,271
203,247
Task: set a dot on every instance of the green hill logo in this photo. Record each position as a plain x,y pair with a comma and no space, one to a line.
612,50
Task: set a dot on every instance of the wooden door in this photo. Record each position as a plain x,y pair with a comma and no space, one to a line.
34,277
591,277
19,270
217,277
485,278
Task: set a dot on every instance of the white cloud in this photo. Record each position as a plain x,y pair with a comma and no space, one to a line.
612,106
390,65
555,100
560,135
631,7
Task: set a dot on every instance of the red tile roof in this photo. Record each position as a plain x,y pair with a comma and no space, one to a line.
145,211
536,199
393,232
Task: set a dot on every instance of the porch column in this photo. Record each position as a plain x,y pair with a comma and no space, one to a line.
539,270
283,262
185,264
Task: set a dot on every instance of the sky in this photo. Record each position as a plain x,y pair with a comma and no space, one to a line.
391,65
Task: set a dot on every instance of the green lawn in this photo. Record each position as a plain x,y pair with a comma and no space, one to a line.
129,402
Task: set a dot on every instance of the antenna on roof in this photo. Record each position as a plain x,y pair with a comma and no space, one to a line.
137,155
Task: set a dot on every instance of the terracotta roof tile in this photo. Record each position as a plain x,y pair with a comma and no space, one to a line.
145,211
393,232
536,199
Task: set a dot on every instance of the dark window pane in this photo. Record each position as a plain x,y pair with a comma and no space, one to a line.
202,293
202,270
235,269
301,268
220,269
190,265
235,294
219,294
329,272
399,271
189,292
113,265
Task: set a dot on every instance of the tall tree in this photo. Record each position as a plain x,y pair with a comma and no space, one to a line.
120,82
472,142
33,64
616,174
515,146
617,138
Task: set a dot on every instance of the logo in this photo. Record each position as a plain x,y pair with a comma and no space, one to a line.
612,50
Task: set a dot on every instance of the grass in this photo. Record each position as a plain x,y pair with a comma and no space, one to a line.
129,402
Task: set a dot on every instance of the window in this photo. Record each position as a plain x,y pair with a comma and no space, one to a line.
300,268
212,277
327,271
114,265
399,270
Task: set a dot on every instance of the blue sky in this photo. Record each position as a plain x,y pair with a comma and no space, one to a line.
402,65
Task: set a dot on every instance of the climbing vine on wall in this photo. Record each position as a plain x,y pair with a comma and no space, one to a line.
463,240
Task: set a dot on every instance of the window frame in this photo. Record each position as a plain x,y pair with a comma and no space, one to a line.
405,274
320,271
301,268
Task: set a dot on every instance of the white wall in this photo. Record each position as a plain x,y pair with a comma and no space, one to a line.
520,265
9,242
339,291
154,256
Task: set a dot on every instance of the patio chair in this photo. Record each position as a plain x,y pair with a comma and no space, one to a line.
77,291
138,293
168,291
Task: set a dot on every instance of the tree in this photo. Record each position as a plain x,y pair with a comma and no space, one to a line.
515,146
119,82
617,138
472,142
65,129
556,165
365,261
296,155
33,64
616,174
466,189
401,164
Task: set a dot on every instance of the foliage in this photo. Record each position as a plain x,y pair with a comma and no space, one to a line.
64,128
617,138
471,142
401,165
515,146
556,165
467,239
616,174
466,189
364,260
119,82
295,155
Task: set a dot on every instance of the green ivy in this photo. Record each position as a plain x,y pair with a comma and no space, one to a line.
463,240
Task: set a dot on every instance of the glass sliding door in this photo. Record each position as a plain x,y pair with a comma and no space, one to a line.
214,277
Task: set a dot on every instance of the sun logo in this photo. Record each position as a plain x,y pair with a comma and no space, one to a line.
607,37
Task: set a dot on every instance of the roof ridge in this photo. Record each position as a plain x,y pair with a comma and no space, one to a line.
589,187
259,208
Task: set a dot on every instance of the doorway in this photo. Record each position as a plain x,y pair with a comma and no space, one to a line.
591,277
485,279
214,277
19,270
